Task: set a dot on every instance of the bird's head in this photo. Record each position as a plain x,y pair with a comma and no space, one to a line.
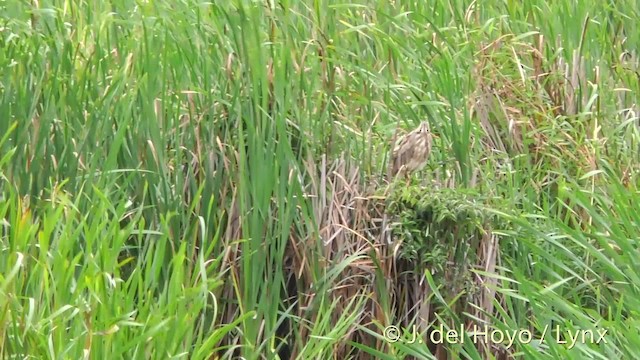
425,129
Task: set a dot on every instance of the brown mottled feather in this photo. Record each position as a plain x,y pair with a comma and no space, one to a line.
411,151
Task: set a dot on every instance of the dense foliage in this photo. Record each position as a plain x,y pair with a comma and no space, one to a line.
186,179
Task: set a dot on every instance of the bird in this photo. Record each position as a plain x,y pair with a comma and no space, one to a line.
411,151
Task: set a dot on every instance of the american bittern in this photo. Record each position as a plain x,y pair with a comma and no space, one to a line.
411,151
410,154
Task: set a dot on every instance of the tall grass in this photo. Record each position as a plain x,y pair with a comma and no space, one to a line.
202,180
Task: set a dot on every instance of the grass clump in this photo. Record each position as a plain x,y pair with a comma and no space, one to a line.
447,236
436,224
